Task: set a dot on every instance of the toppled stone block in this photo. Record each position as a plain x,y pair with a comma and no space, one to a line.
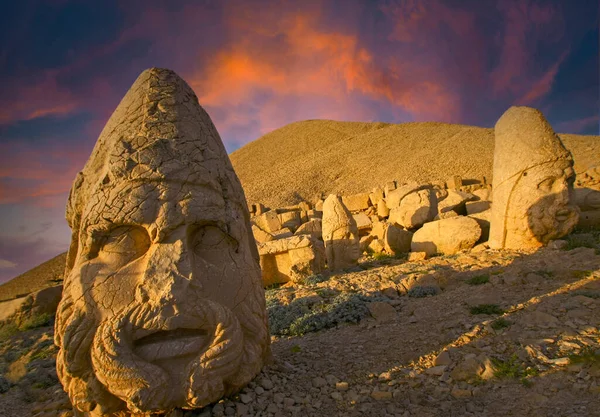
269,221
376,195
474,207
447,236
395,196
454,183
260,235
357,202
483,218
312,227
382,209
19,310
362,221
455,201
282,233
291,259
290,219
415,209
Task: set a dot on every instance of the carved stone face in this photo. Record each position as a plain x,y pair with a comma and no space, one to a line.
340,233
163,304
533,200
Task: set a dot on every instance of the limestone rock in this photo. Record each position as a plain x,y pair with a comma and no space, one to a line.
446,236
381,311
269,221
290,220
455,201
376,196
415,209
454,183
357,202
163,305
533,180
291,259
362,221
382,209
260,235
376,246
395,196
483,219
397,240
342,245
474,207
19,310
312,227
282,233
417,256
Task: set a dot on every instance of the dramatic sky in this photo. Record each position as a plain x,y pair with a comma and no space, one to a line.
258,65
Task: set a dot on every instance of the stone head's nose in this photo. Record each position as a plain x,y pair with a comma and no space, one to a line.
169,271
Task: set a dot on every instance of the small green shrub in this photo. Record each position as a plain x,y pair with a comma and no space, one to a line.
500,324
421,291
315,279
587,293
489,309
8,330
514,368
586,355
36,321
303,315
581,274
479,280
581,240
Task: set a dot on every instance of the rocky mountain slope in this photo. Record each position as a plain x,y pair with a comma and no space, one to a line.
304,158
488,333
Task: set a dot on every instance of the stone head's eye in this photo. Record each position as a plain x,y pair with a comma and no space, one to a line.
546,185
212,244
124,244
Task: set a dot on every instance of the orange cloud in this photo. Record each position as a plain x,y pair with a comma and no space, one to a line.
297,60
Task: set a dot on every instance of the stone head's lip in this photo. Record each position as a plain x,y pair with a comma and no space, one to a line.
171,344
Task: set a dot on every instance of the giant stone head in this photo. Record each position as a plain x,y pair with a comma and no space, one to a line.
163,304
533,182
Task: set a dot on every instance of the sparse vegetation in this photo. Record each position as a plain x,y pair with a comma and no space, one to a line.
8,330
500,324
514,368
315,279
582,240
581,274
421,291
588,293
34,322
489,309
586,355
479,280
304,315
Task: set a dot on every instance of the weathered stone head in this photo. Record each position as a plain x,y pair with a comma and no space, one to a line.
340,234
163,304
532,184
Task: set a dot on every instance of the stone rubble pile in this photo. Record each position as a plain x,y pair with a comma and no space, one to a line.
535,204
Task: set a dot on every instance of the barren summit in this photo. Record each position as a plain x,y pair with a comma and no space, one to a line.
304,158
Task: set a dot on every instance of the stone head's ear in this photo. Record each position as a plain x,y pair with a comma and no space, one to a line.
73,215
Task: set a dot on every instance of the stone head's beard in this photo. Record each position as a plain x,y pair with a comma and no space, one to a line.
549,220
98,366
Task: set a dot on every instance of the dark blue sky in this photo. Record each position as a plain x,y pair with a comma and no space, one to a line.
258,65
